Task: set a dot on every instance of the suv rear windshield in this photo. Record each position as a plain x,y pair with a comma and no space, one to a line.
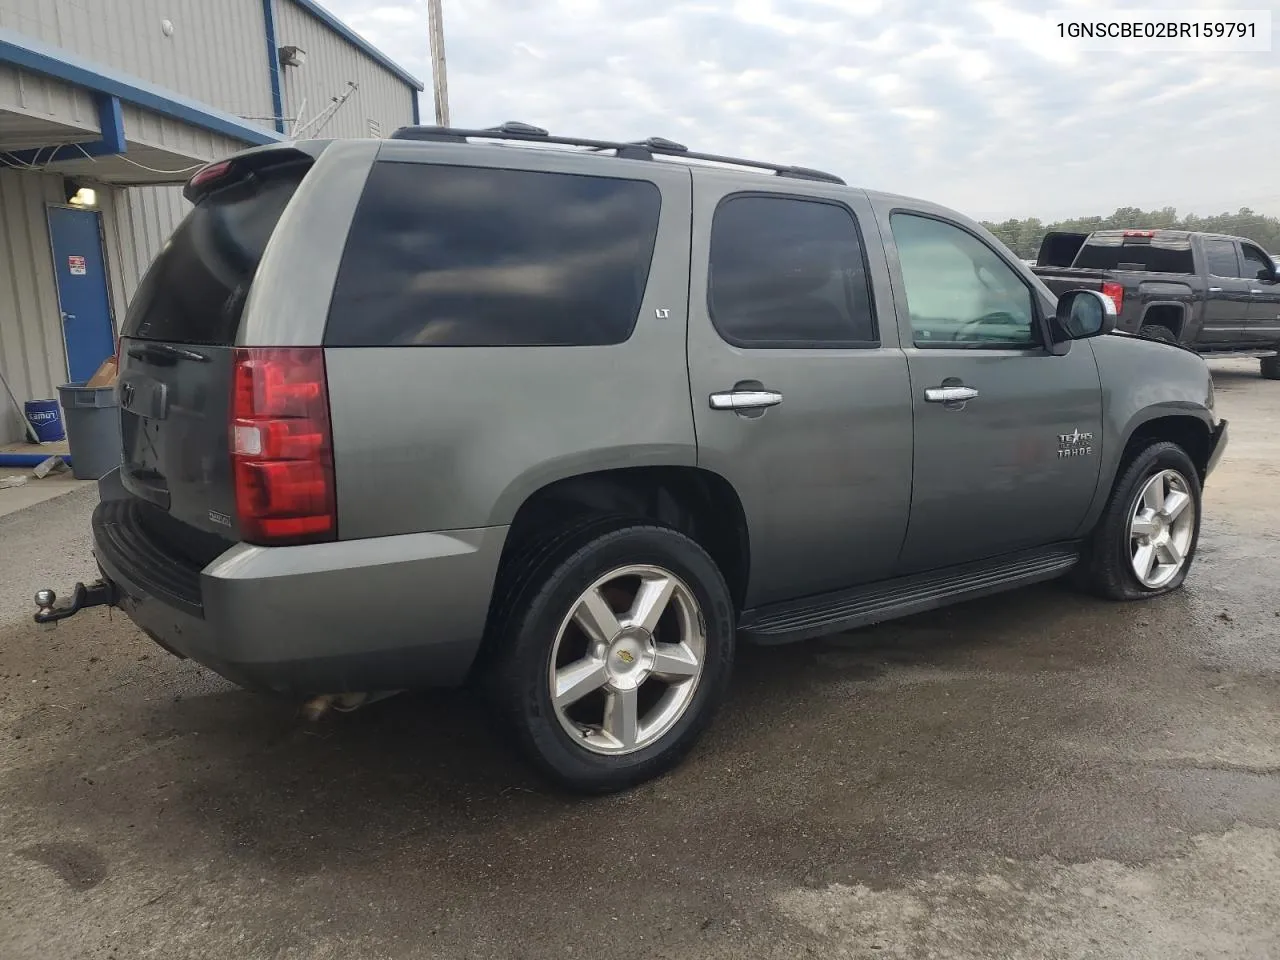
195,290
476,256
1142,254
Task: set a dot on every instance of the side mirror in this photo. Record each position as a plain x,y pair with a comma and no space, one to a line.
1085,313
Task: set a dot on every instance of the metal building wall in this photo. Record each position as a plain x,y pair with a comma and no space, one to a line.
331,62
150,128
217,53
48,100
32,357
135,223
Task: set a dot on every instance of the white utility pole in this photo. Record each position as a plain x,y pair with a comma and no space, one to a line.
439,83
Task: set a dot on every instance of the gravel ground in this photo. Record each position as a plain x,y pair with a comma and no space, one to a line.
1037,775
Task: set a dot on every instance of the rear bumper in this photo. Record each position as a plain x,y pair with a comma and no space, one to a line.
359,615
1217,444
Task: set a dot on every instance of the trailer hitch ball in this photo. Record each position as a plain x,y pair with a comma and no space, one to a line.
97,594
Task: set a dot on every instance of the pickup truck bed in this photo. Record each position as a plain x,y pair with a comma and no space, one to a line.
1174,286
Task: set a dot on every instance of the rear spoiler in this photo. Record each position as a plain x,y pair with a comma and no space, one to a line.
1059,249
239,166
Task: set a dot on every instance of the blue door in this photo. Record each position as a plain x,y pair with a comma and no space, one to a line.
82,290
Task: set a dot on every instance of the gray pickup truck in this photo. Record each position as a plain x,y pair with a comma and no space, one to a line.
1214,294
570,419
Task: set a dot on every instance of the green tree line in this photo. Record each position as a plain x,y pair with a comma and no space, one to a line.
1023,236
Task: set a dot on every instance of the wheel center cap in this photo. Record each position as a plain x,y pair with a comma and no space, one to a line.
629,659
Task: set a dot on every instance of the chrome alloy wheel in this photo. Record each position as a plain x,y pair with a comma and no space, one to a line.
1160,528
627,659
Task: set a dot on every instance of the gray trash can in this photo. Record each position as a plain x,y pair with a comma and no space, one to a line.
93,429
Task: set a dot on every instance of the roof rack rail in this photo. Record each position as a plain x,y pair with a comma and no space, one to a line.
627,150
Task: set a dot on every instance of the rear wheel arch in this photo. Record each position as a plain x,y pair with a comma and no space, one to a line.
697,502
1170,316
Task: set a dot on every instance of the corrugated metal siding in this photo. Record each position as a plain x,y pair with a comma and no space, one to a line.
153,130
331,62
217,53
43,97
32,357
136,222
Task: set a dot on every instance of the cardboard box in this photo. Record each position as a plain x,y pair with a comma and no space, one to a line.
105,376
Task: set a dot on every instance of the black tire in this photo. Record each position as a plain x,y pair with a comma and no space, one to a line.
1155,332
524,633
1106,567
1271,368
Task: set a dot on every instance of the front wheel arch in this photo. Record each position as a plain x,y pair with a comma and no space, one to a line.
1191,433
1186,426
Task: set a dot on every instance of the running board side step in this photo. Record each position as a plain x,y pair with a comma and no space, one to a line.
889,599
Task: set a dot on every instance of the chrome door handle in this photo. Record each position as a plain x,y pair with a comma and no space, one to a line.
1215,289
745,399
949,394
1256,293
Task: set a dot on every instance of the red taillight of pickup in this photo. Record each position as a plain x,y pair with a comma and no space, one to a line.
282,446
1116,292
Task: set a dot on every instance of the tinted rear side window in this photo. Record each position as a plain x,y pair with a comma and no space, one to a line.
786,271
195,290
1220,257
1152,256
474,256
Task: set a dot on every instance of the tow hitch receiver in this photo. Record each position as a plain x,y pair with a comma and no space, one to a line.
97,594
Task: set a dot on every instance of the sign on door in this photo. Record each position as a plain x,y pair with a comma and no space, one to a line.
76,266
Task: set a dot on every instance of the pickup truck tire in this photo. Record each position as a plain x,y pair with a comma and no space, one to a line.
1146,540
1155,332
1271,368
613,655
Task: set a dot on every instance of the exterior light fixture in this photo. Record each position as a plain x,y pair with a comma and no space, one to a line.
79,196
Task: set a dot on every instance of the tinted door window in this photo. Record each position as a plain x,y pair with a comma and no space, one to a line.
1257,265
1220,258
473,256
195,290
788,272
959,291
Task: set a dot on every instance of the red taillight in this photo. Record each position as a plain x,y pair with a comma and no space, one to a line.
1116,292
1140,233
282,447
207,174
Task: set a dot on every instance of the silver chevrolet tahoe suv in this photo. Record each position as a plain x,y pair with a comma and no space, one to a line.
573,418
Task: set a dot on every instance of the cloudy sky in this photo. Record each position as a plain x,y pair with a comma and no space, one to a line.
966,102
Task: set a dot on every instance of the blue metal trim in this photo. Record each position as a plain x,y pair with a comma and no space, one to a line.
27,53
110,143
340,28
417,117
273,64
111,122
